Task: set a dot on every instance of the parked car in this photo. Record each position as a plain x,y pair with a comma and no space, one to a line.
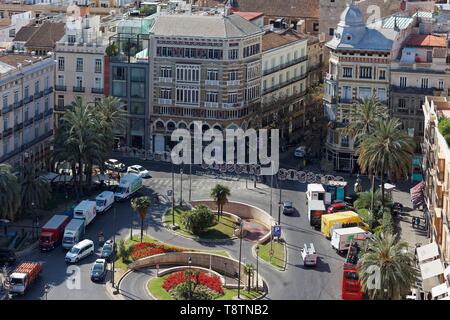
288,209
139,170
107,251
98,270
300,152
79,251
7,256
115,165
338,207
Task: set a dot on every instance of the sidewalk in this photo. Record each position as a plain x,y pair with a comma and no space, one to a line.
406,232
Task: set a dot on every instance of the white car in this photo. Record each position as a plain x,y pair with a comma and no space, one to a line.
139,170
116,165
79,251
300,152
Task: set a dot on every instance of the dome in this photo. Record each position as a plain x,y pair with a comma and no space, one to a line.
352,16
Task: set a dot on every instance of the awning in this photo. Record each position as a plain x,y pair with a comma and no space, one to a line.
416,192
427,252
439,290
49,176
63,178
431,269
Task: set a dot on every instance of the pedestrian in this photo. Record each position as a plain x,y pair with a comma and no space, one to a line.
413,222
101,238
417,221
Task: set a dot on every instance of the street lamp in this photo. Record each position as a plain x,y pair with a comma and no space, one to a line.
33,224
173,196
114,248
257,256
241,225
190,275
279,203
181,187
190,181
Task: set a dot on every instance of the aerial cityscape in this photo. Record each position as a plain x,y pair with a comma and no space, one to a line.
224,150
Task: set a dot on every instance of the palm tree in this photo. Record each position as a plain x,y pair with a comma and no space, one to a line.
387,151
9,193
220,195
33,188
364,118
391,264
364,201
249,270
141,205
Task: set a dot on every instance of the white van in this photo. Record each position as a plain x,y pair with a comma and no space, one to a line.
104,201
129,184
79,251
73,233
343,238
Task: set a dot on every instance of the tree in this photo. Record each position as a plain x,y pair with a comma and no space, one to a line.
141,205
387,151
392,265
364,118
220,195
249,270
9,193
33,188
365,199
198,219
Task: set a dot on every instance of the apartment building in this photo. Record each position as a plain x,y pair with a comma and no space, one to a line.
39,38
203,68
80,69
26,114
436,166
420,70
359,67
285,80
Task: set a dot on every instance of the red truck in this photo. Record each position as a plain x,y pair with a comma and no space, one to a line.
351,286
52,232
23,276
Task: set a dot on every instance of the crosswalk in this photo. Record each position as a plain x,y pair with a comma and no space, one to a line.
200,184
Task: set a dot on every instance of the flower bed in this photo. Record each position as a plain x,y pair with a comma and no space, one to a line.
211,282
144,249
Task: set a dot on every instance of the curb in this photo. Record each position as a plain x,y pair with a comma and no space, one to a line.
148,291
118,284
268,263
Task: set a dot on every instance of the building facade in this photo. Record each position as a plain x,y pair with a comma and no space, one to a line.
80,69
26,117
436,166
359,68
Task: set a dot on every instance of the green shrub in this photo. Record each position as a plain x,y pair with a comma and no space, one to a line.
122,249
444,128
388,223
198,219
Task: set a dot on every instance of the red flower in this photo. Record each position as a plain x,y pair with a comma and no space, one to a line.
211,281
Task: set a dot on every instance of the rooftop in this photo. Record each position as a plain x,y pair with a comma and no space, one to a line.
11,62
43,35
420,40
204,26
250,16
271,40
282,8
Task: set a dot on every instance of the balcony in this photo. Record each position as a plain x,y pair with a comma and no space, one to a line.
28,99
78,89
7,109
18,126
209,104
285,83
97,90
165,79
164,101
60,88
212,82
233,105
285,65
416,90
345,100
7,132
48,91
26,146
38,117
48,112
38,95
28,122
233,82
18,104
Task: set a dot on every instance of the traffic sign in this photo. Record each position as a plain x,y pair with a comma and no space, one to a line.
277,231
169,193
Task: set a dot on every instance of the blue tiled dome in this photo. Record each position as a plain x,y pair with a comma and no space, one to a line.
352,16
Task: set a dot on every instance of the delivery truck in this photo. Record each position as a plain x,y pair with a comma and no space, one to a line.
52,232
316,208
23,276
342,239
316,191
73,233
104,201
338,220
129,184
85,210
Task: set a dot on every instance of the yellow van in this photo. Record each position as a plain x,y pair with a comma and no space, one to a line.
340,220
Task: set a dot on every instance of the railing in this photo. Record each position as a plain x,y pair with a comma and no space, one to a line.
48,112
7,132
285,65
60,88
48,91
212,82
345,100
285,83
28,99
38,95
18,104
233,82
209,104
7,109
28,122
164,101
97,90
78,89
18,126
233,105
38,117
165,79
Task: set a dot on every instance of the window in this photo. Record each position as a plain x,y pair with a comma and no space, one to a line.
37,108
79,82
345,141
138,74
187,95
5,122
403,82
364,93
212,74
98,83
331,32
138,90
233,54
382,74
347,93
381,94
316,26
60,80
60,101
424,83
165,72
137,107
441,84
233,75
71,38
98,66
188,73
119,81
36,87
251,50
61,63
165,93
402,104
26,91
46,104
365,73
16,97
232,97
5,101
79,65
12,33
212,97
347,72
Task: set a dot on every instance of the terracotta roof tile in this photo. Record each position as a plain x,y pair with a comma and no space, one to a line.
420,40
47,35
25,33
249,15
272,40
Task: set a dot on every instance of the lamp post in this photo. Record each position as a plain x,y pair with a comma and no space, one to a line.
271,193
114,248
257,256
241,224
46,290
190,181
173,196
33,224
279,203
181,187
190,275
